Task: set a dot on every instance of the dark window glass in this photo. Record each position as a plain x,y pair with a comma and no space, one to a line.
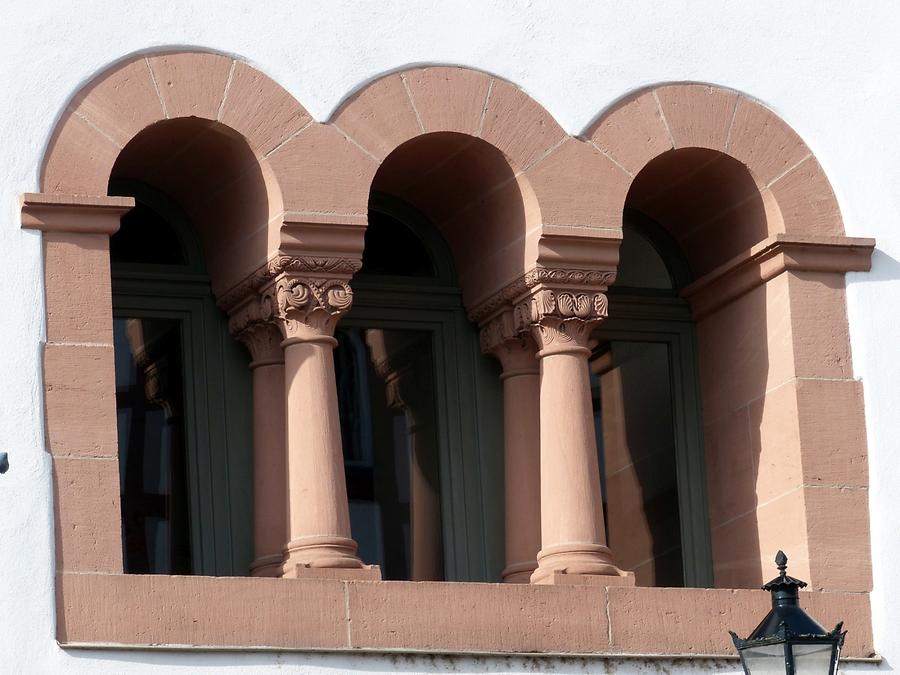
392,248
385,383
640,264
183,401
634,423
152,461
146,237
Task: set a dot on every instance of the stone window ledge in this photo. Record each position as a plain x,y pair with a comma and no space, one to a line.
170,612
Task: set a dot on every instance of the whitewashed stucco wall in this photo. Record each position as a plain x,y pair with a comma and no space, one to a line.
831,69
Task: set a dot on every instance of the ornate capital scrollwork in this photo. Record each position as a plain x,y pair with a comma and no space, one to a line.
314,266
253,323
498,332
264,342
561,320
308,308
290,299
557,308
512,346
537,277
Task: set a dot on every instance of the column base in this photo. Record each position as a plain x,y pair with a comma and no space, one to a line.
267,566
327,552
519,573
364,573
575,560
557,578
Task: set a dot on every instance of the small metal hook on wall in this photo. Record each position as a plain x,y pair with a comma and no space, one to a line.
4,462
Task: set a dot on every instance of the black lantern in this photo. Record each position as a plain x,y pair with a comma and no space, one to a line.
788,641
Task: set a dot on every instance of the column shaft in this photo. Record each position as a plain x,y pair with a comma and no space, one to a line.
521,456
522,472
269,466
573,536
571,478
318,515
516,352
263,340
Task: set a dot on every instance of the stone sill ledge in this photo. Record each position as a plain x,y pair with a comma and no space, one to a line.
593,656
115,611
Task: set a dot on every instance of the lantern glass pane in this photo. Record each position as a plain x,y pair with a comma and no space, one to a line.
764,660
813,659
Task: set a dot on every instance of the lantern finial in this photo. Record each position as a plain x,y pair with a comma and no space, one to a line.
781,561
783,581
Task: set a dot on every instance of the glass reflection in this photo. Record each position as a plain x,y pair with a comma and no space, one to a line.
766,660
812,659
635,430
152,461
385,381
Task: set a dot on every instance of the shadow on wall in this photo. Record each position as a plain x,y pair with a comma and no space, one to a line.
645,492
884,268
710,204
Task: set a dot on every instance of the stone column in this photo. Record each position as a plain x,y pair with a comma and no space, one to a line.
263,339
308,308
573,536
521,443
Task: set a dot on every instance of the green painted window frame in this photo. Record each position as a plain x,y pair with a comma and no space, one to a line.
468,397
667,321
217,386
662,316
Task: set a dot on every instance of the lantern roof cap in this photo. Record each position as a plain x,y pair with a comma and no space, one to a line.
783,581
787,621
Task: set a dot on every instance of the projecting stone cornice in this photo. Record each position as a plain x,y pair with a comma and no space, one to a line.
77,214
771,257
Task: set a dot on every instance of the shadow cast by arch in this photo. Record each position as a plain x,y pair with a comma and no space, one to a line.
710,206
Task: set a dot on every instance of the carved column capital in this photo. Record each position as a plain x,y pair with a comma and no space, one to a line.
561,319
252,321
307,308
558,307
511,345
264,342
303,296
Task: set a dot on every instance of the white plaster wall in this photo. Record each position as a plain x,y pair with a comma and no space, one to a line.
831,69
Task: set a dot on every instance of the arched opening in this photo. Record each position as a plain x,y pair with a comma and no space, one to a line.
215,178
183,389
708,202
474,198
676,484
420,404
